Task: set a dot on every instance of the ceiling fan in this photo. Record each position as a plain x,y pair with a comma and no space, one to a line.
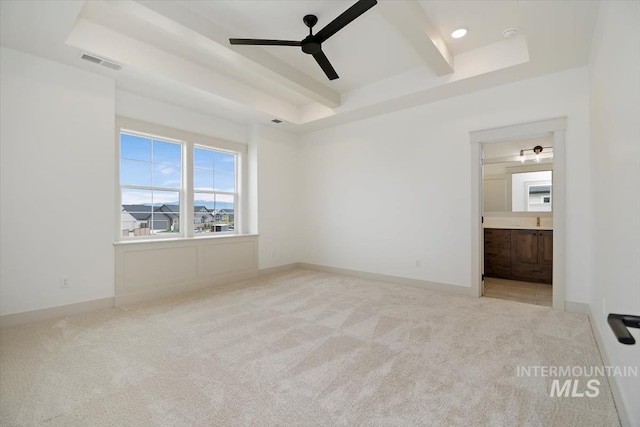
312,44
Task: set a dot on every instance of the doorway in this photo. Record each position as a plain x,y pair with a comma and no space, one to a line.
480,140
517,220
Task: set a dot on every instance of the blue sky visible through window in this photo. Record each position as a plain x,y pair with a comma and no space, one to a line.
151,162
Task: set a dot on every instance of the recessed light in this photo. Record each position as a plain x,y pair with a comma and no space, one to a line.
459,33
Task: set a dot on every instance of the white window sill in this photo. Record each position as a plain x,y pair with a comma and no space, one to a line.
181,239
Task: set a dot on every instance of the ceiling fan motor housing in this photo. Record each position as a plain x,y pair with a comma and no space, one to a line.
310,47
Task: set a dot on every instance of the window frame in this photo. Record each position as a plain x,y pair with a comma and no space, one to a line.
235,194
189,141
179,190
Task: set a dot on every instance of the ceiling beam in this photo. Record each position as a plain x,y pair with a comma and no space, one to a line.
410,20
177,18
90,37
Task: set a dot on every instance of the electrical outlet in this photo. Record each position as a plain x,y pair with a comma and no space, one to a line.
604,307
64,283
418,263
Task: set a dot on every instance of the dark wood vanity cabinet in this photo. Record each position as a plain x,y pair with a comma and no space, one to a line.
525,255
545,247
497,253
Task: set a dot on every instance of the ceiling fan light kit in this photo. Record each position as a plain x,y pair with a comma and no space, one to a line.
312,44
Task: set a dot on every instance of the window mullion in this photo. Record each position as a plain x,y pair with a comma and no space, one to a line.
146,187
187,189
185,192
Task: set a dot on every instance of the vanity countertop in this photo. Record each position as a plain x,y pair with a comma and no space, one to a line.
517,227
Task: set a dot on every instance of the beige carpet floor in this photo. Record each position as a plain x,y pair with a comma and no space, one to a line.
300,348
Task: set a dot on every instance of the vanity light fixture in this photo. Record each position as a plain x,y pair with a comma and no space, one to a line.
537,150
459,33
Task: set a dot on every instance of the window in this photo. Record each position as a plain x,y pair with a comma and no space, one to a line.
215,190
532,191
174,183
150,185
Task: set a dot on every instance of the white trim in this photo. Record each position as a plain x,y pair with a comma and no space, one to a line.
556,127
404,281
559,209
14,319
584,308
188,140
183,239
174,289
177,134
187,179
278,269
520,131
182,288
52,313
577,307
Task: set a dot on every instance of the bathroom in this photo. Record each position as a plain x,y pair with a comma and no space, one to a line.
518,220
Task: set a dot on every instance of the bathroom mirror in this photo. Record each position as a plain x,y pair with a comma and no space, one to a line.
518,176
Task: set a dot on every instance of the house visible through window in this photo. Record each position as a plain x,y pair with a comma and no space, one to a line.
215,190
150,185
156,186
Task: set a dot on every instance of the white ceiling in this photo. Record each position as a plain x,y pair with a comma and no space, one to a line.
396,55
484,20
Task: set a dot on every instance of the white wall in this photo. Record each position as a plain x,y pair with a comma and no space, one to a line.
615,128
150,110
278,196
273,170
381,193
58,177
494,194
56,184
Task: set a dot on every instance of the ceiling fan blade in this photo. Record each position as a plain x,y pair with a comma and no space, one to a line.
326,66
345,18
265,42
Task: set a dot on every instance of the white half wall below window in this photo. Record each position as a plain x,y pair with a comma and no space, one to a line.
151,269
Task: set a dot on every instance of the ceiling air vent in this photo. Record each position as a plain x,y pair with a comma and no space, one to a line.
276,121
101,61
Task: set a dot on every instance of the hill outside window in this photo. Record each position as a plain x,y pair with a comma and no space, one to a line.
176,186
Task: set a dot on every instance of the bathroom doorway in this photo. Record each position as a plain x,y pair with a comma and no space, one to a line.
554,129
517,210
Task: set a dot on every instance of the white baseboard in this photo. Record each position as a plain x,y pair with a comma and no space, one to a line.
166,291
15,319
422,284
584,308
277,269
176,289
577,307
